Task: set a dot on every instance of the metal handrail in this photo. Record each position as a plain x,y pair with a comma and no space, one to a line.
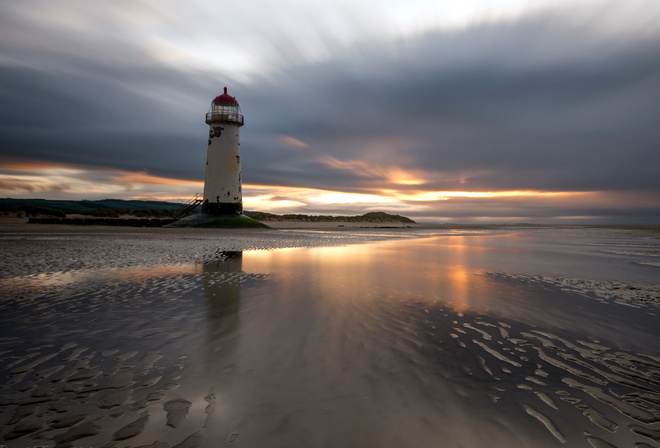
189,206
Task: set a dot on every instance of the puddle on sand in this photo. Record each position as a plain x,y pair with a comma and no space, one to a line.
395,344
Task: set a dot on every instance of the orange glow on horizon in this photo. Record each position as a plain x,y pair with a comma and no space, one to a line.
395,196
445,195
144,178
66,181
75,182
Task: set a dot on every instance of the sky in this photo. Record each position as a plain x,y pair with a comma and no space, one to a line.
442,110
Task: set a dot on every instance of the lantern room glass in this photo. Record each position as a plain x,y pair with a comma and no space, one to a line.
225,112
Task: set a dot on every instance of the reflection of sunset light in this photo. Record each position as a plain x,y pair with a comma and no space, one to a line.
390,270
155,271
334,270
459,277
130,273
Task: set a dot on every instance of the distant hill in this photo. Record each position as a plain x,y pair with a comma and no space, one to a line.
367,217
83,205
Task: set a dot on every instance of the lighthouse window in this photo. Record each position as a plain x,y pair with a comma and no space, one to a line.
229,111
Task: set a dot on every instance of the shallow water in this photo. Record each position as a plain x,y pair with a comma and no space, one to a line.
539,338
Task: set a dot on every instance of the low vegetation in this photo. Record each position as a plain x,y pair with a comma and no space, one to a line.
106,208
116,208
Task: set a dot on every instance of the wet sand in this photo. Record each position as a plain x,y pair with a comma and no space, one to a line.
303,338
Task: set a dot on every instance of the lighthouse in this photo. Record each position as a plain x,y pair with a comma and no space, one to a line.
222,183
222,202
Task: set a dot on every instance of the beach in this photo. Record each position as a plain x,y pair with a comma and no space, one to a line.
330,334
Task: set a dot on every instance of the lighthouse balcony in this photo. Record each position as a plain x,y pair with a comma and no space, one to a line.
236,118
225,109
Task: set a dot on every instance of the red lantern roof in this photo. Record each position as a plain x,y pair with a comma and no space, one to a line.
225,98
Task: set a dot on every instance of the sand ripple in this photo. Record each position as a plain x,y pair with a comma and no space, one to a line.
145,356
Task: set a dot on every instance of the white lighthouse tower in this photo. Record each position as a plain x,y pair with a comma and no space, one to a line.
222,184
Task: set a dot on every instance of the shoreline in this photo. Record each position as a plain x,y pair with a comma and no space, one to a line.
21,225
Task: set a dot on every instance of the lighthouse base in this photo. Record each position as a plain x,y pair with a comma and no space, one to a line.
222,208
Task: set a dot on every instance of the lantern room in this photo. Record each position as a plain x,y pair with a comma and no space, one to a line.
225,109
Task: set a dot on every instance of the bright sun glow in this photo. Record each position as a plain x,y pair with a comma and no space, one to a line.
269,202
377,171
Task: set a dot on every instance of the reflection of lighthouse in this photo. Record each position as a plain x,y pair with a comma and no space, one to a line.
222,184
222,288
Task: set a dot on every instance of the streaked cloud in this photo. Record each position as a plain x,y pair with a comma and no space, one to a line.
505,109
38,180
292,141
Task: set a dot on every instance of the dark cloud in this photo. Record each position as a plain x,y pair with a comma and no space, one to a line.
585,121
117,118
535,210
